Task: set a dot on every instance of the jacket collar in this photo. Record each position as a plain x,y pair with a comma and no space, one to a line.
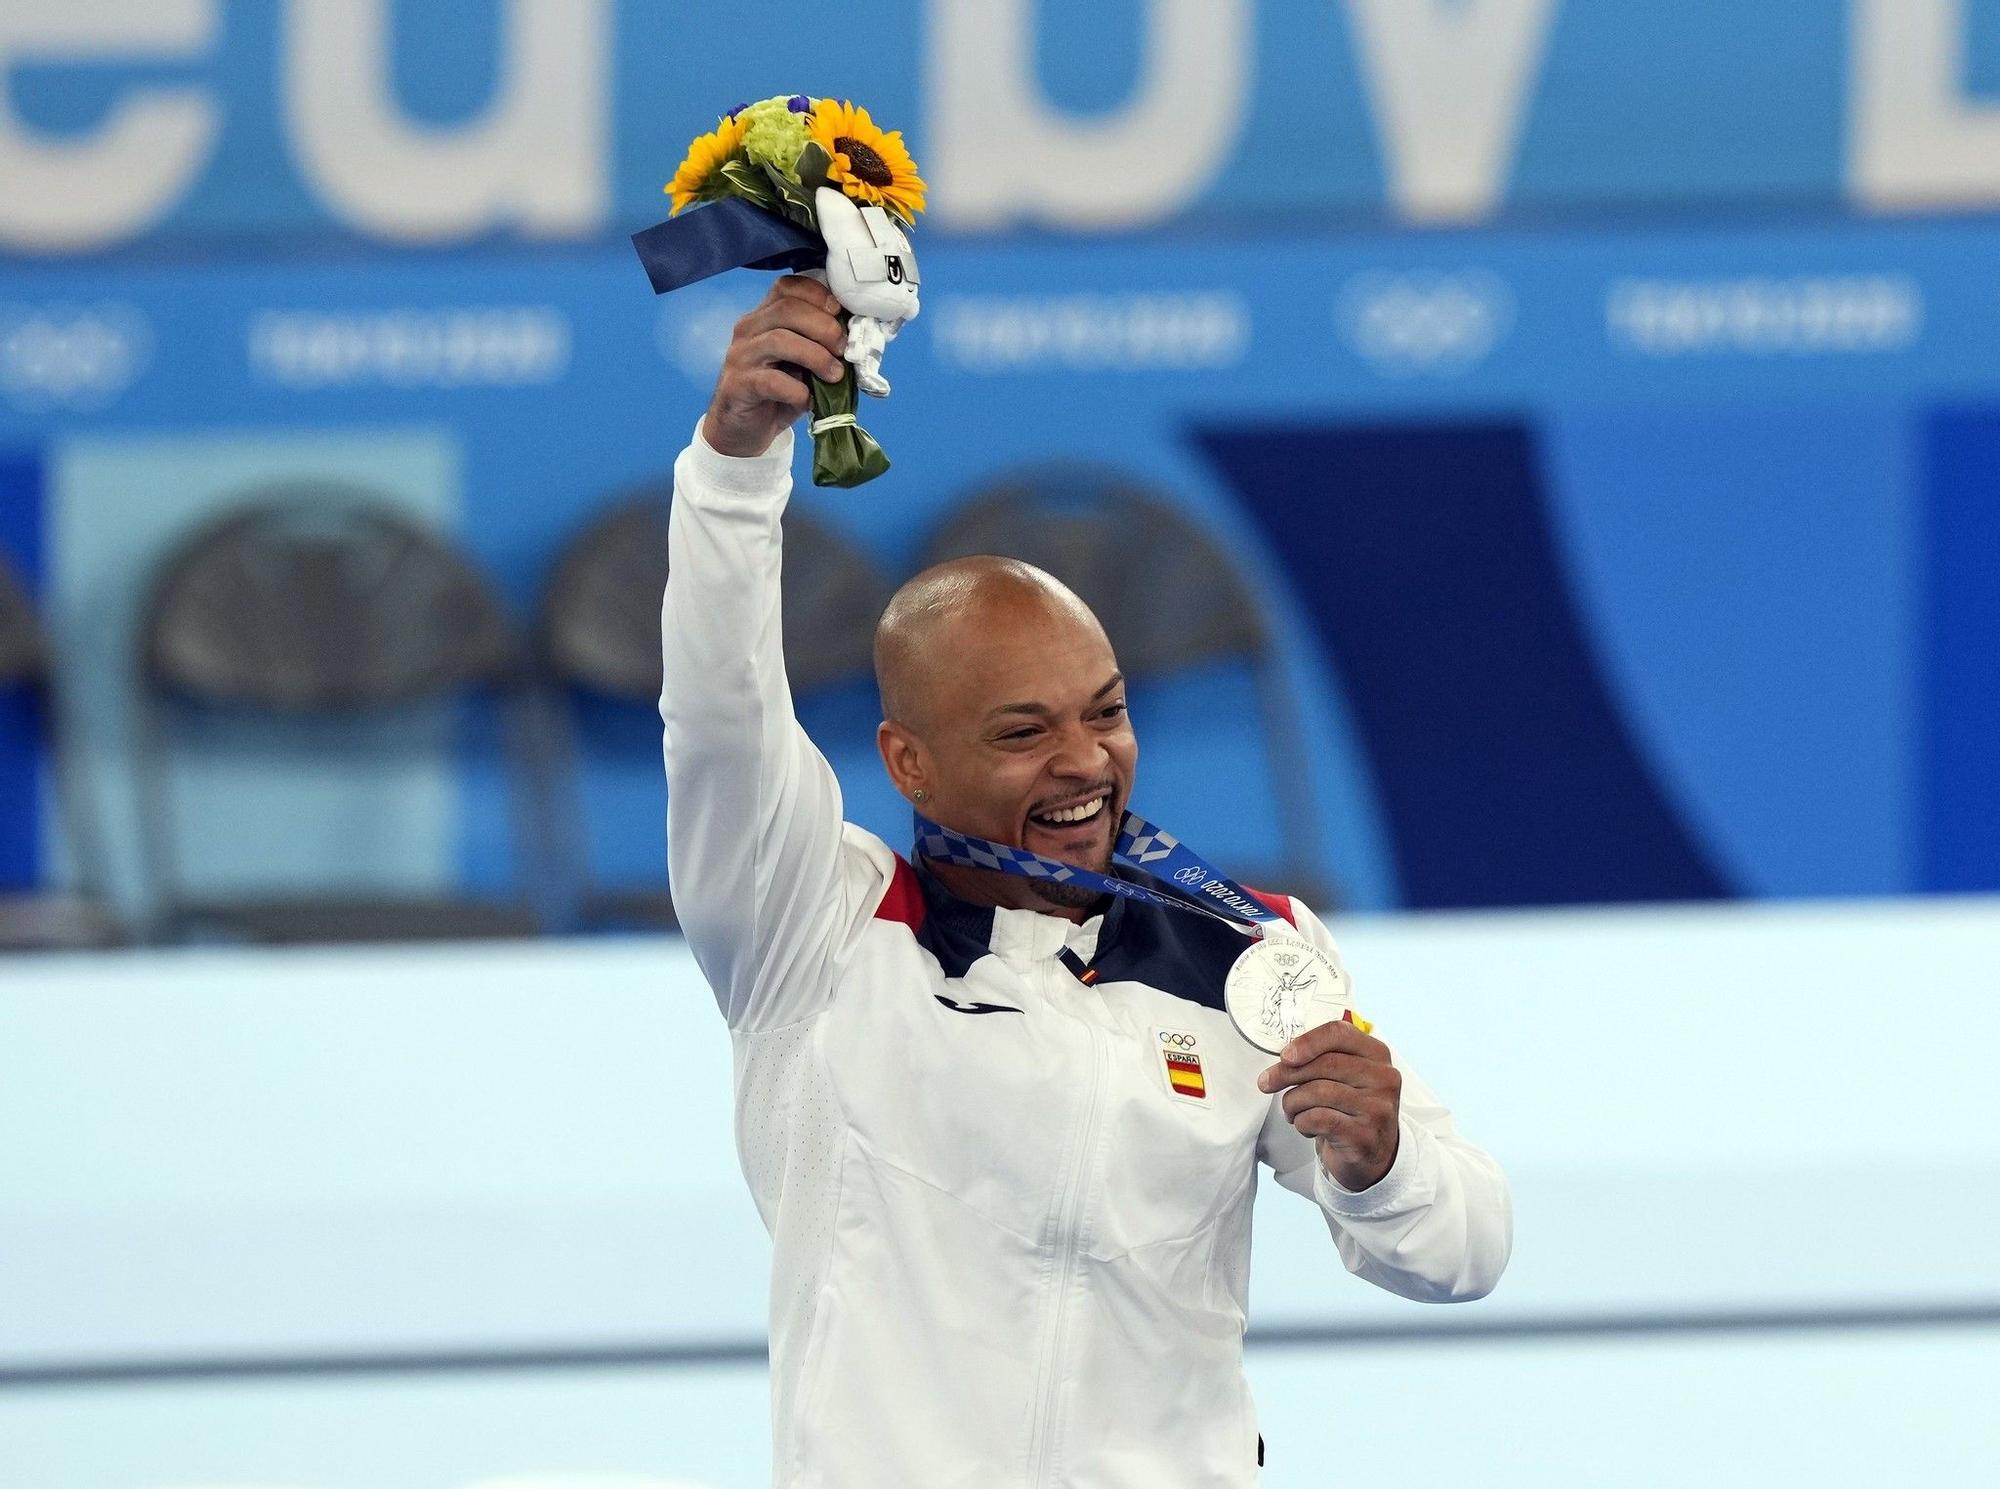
1186,955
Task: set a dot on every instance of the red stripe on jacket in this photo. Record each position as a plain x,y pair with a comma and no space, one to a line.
1278,902
903,901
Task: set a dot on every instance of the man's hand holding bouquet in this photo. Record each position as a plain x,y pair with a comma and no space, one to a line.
814,186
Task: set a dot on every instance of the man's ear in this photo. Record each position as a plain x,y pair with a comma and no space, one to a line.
903,757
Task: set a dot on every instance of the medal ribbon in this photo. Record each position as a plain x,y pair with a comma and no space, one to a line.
1201,888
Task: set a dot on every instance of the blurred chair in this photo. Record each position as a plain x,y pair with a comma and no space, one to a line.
310,609
36,920
1171,600
599,642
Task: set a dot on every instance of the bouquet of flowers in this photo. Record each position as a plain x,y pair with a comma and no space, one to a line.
812,185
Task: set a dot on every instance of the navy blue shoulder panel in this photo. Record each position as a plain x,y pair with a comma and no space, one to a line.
1188,955
955,931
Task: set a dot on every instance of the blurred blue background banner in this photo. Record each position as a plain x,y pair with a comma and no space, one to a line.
1639,565
202,121
1636,545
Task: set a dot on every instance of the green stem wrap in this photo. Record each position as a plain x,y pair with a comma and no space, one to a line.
846,454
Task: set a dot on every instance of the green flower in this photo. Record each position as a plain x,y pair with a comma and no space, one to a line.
774,134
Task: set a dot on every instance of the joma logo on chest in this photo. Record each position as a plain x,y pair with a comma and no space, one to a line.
959,1006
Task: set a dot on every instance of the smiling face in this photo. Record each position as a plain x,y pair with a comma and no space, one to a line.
1006,708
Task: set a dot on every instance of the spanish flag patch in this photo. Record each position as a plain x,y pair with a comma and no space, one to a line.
1181,1060
1184,1075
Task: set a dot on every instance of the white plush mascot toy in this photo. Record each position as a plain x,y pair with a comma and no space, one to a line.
872,271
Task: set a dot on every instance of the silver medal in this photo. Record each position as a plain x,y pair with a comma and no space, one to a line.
1282,986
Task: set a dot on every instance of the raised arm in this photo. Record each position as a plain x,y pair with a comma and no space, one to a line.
753,809
1413,1206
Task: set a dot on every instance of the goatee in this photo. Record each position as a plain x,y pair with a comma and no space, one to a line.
1072,896
1067,896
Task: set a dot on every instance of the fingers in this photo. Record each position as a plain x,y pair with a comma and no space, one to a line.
769,385
1356,1101
809,320
1350,1071
798,287
1345,1054
781,348
1343,1071
791,332
1338,1035
1356,1133
801,305
796,329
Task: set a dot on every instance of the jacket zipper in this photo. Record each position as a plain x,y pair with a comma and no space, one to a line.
1071,1211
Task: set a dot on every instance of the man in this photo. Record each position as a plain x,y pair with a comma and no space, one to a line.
1002,1130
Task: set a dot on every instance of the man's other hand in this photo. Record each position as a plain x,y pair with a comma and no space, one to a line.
796,326
1341,1090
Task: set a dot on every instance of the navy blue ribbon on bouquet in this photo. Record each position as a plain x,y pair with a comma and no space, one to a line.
718,237
1156,852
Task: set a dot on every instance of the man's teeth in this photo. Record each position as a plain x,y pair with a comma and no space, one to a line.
1081,813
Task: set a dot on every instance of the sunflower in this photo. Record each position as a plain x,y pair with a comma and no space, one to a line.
868,165
696,177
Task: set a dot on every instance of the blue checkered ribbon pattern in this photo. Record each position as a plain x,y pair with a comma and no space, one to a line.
941,844
1195,886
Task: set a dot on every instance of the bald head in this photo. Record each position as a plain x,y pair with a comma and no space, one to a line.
937,625
1005,718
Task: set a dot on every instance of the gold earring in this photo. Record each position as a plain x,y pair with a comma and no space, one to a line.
920,795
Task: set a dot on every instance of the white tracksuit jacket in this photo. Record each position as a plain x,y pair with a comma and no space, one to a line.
1011,1248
